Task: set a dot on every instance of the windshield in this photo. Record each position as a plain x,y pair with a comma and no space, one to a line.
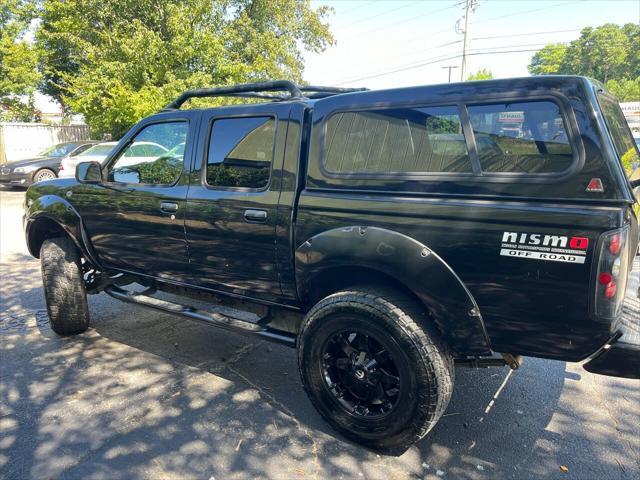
59,150
98,150
620,132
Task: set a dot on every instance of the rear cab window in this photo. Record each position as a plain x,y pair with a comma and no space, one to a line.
519,138
397,141
619,132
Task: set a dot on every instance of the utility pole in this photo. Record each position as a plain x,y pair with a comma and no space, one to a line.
450,67
470,7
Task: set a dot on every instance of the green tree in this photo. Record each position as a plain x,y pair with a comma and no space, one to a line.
18,61
609,53
600,53
548,60
606,52
482,74
625,90
116,61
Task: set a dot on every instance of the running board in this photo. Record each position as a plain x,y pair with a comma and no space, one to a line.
210,318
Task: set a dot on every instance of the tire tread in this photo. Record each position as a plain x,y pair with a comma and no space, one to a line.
412,319
64,288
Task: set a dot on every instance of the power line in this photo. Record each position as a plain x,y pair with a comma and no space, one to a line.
529,34
528,11
432,61
489,48
379,14
436,61
406,20
496,18
421,50
433,34
357,7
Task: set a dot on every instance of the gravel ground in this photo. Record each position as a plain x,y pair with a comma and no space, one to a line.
149,395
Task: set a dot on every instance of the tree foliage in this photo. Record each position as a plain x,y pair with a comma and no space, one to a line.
625,90
18,61
609,53
116,61
548,61
482,74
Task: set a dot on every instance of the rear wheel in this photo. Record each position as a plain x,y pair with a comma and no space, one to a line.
64,288
374,367
44,174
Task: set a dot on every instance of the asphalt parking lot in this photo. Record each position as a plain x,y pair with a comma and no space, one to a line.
149,395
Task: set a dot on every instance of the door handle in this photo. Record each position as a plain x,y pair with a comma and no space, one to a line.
255,216
168,207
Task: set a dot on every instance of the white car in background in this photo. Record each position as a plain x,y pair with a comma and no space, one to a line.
138,152
141,152
97,153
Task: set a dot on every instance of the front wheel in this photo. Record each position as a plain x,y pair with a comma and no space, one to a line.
374,367
64,288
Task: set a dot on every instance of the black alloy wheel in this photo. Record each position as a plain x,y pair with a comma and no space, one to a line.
375,367
361,373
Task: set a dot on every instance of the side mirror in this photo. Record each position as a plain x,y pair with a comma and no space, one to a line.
89,172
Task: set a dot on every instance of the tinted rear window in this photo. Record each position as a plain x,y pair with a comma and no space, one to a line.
396,141
241,152
521,137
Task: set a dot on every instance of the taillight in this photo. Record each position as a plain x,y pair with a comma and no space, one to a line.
613,265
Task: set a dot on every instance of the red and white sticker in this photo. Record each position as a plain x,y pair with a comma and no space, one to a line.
545,247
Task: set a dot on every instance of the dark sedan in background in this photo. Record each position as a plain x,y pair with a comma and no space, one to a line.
45,166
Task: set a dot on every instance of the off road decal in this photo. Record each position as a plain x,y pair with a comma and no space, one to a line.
540,246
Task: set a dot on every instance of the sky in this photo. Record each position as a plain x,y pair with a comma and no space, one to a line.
393,43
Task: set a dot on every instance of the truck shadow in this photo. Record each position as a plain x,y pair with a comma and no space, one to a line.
145,394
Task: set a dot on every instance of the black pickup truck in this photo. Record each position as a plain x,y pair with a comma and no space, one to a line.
387,235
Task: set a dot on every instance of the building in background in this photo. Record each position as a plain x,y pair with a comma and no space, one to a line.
631,112
25,140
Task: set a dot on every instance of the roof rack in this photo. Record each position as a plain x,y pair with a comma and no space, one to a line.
257,90
317,91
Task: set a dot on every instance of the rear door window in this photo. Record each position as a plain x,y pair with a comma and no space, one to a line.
521,137
396,141
241,152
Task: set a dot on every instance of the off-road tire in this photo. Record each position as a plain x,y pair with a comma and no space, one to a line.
424,356
64,289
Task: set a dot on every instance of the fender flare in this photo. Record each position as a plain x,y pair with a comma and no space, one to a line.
411,263
58,210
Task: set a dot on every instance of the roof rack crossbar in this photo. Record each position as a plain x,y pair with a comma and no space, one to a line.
275,98
257,90
248,89
333,90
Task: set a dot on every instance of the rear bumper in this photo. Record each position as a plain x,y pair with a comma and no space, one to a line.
621,358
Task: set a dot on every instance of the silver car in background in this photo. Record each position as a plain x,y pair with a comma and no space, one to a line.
97,153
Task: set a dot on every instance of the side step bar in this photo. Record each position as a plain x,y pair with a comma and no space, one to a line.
210,318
